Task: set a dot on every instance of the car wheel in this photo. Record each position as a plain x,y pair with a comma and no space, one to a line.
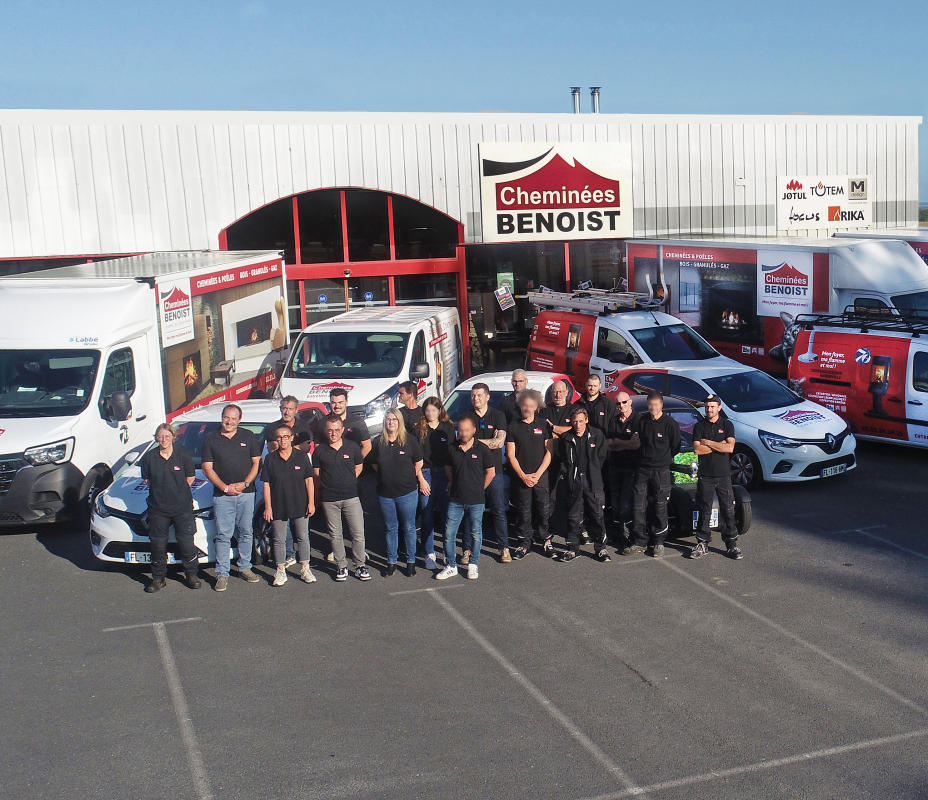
745,468
743,513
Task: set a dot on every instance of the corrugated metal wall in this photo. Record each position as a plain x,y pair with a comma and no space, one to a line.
76,182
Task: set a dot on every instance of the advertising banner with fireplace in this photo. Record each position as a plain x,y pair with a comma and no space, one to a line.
222,333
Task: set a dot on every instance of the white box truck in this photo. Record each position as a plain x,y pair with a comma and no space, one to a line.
743,294
93,357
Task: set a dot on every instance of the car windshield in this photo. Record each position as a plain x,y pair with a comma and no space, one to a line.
912,305
459,403
348,354
673,343
190,436
46,383
752,391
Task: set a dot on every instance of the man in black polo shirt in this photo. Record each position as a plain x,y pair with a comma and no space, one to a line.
302,431
659,435
168,470
599,407
714,442
470,471
231,460
354,428
527,451
510,403
338,463
623,442
491,430
408,397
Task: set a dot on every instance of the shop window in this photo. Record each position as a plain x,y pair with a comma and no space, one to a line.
920,372
599,262
268,228
368,226
325,297
432,290
120,373
613,347
422,232
320,218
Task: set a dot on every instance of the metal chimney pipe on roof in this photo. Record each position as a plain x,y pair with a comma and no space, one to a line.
575,93
594,98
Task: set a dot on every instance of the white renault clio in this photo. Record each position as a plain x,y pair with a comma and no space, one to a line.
780,436
119,522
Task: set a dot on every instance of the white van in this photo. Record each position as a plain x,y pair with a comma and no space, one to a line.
371,351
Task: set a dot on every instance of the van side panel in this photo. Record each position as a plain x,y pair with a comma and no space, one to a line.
860,377
562,341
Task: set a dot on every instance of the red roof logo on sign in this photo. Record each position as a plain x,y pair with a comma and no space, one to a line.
794,185
558,185
784,275
175,299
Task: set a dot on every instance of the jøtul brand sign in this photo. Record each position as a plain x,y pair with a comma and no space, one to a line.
823,201
548,191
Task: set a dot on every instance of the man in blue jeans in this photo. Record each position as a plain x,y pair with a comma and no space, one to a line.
490,425
231,460
470,471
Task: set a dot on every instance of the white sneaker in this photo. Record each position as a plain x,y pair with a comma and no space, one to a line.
306,574
289,562
447,572
280,577
472,573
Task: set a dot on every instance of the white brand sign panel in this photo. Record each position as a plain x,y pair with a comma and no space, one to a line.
175,305
824,201
784,282
555,191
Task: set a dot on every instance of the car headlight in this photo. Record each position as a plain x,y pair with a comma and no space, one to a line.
381,405
204,513
56,453
777,443
99,506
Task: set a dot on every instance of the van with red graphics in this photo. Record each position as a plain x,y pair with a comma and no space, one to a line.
871,370
600,332
743,294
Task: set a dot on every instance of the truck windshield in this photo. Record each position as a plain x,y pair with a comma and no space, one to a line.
46,383
673,343
348,354
752,391
912,305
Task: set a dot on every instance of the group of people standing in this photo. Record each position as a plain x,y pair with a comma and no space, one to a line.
444,475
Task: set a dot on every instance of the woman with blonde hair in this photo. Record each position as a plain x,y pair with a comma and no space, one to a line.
397,458
436,435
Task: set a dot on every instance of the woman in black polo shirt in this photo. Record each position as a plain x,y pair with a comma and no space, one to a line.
397,459
168,469
436,435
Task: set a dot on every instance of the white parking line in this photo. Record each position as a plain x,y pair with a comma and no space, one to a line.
863,532
631,789
430,589
760,766
200,781
814,648
150,624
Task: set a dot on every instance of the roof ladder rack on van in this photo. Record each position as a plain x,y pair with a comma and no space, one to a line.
855,318
597,301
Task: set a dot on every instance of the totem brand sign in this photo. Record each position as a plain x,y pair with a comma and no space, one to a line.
176,309
784,282
824,201
546,191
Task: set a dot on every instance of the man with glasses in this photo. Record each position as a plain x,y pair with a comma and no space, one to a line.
623,443
510,404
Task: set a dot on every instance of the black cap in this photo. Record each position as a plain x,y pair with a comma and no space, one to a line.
712,398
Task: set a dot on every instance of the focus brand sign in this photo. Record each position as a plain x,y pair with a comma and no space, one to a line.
544,191
784,282
823,201
175,306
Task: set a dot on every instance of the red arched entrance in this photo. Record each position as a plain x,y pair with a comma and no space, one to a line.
399,251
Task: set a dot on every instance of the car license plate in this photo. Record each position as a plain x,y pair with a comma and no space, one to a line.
145,558
713,520
836,470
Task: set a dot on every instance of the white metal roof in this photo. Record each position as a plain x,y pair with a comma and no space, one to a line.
907,234
752,242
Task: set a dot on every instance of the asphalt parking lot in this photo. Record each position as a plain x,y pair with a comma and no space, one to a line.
799,672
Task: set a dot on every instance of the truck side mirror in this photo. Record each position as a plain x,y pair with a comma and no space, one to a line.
120,406
420,370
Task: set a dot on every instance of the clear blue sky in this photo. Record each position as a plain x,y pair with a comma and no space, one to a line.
673,57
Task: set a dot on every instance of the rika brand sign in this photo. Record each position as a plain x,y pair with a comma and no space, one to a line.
784,282
175,306
823,201
544,191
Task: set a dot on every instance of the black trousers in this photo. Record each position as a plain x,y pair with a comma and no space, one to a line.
622,494
652,487
184,528
707,489
529,499
585,504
